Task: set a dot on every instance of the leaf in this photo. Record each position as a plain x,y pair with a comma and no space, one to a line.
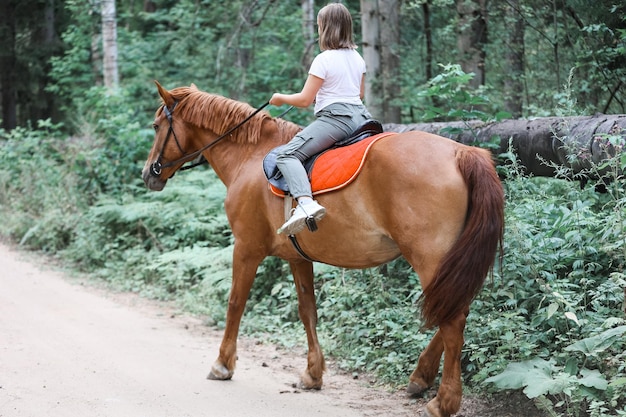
572,317
571,366
593,379
552,308
543,383
520,374
540,377
513,377
591,346
501,115
619,382
276,289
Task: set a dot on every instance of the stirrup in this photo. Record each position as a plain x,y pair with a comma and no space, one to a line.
311,223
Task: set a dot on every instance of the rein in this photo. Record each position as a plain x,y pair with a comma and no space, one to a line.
204,161
157,166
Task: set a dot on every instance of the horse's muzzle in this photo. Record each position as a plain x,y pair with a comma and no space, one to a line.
152,181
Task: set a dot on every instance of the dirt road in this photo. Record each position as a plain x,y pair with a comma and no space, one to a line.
68,349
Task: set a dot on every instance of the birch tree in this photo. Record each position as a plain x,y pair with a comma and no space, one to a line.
381,34
109,44
390,39
308,32
371,55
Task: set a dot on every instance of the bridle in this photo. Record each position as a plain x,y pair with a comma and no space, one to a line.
157,166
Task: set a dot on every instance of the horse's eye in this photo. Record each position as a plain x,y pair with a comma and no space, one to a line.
155,127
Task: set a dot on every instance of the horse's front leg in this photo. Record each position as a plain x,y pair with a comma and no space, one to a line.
448,399
244,272
302,271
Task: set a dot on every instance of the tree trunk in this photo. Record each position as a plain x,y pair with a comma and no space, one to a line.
308,32
8,74
514,83
149,6
428,35
109,44
389,41
471,38
47,37
381,35
96,58
541,144
371,53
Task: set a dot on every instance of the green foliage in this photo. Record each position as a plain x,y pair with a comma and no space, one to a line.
560,282
450,88
70,70
448,97
38,201
121,137
248,50
108,155
378,306
539,377
226,49
574,385
455,101
592,346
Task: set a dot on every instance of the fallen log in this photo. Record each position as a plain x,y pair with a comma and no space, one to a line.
541,144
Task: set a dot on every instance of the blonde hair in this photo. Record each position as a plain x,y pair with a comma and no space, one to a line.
335,27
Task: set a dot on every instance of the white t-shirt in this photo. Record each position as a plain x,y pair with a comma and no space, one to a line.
342,71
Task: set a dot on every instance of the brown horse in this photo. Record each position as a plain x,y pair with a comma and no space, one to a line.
436,202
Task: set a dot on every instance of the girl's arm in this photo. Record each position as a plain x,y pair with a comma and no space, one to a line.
362,86
304,98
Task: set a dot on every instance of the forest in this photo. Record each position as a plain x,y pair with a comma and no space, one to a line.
541,83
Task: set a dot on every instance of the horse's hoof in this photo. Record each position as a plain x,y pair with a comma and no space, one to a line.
303,386
432,409
425,413
309,383
220,373
414,389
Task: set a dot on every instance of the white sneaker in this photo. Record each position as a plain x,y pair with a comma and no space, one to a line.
297,221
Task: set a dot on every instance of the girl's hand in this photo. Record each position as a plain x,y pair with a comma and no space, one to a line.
302,99
277,100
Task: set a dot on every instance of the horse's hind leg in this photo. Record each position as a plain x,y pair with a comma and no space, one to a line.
448,399
427,368
302,271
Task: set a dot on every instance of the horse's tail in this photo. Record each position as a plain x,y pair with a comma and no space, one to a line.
463,269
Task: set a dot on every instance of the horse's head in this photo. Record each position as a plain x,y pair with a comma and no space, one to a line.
171,145
190,122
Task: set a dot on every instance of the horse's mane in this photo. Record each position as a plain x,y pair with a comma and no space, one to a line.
220,114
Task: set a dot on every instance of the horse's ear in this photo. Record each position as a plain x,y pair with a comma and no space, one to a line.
165,95
193,87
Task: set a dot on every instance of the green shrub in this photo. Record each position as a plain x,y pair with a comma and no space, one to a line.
38,199
563,284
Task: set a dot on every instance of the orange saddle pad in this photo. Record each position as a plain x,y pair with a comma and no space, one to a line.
337,167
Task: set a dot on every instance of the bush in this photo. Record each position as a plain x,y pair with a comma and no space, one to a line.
38,198
560,294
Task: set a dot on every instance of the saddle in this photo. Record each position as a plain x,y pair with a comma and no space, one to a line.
332,168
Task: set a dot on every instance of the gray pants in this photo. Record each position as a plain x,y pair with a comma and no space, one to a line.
333,123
